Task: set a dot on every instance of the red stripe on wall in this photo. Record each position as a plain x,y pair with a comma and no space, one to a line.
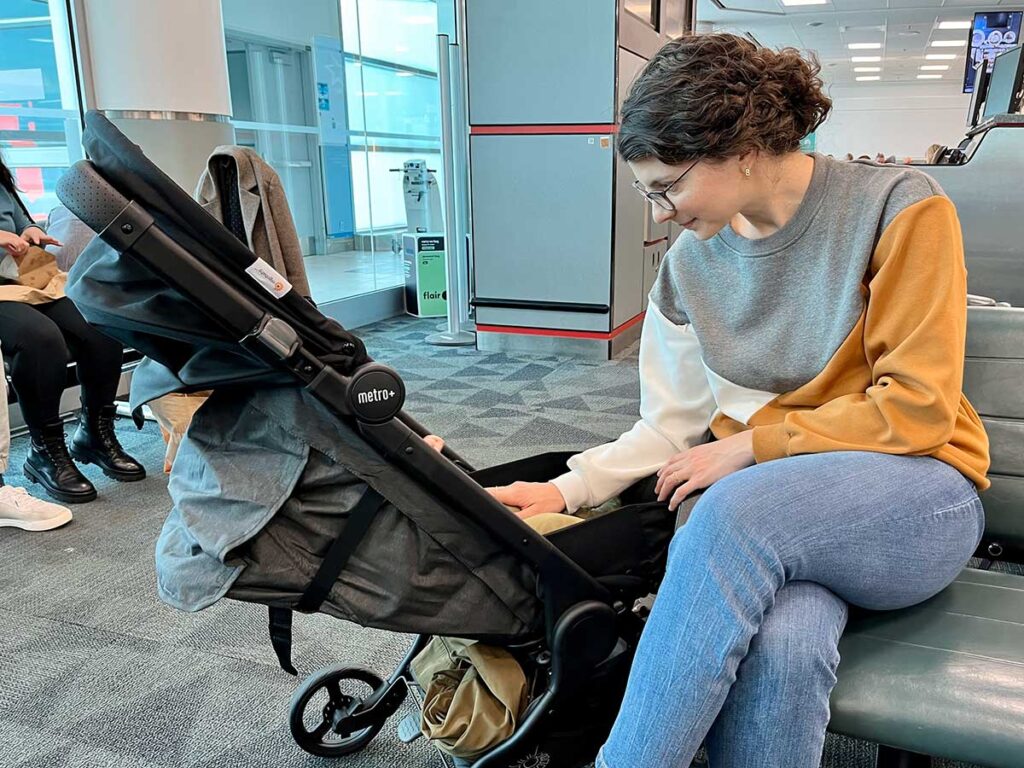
561,333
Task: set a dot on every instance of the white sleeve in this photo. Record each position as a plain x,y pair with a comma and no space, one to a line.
676,406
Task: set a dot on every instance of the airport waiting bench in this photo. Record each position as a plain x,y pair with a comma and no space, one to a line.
946,678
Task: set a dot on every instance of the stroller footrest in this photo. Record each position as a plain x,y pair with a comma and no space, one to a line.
409,729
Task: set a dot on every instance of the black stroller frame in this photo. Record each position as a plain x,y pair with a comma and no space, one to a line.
590,629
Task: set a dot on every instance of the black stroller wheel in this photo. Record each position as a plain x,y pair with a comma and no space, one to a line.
323,705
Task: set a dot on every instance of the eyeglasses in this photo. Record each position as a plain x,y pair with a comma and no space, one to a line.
660,198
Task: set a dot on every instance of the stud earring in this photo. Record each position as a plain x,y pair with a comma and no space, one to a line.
746,172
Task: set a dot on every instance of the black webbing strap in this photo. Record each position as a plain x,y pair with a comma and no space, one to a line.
340,551
281,637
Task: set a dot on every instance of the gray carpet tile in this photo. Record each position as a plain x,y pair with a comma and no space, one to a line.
95,671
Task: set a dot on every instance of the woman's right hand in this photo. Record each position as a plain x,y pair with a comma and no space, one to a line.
14,244
531,498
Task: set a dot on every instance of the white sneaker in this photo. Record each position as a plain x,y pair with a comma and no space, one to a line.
19,510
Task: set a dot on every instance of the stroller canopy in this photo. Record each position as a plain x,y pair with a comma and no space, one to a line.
185,349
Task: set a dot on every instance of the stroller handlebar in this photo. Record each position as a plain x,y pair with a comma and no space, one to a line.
87,195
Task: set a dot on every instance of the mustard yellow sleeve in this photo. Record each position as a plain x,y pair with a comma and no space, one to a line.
914,334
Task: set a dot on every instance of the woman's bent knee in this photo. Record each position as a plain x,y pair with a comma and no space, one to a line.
804,624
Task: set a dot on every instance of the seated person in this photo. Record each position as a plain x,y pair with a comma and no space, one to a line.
40,328
823,349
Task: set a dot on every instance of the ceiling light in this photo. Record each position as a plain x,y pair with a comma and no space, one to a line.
908,33
934,67
804,2
868,77
940,56
865,59
405,74
929,77
954,25
867,69
866,46
948,43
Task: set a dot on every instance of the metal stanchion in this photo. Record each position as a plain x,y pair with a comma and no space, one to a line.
454,222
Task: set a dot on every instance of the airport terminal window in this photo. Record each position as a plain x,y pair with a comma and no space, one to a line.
393,103
334,99
40,124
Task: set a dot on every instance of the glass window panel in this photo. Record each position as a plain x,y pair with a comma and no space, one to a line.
40,128
400,102
371,91
385,200
397,31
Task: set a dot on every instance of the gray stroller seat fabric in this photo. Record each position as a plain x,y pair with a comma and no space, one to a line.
264,482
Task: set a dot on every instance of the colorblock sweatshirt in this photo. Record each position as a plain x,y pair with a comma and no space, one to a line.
842,331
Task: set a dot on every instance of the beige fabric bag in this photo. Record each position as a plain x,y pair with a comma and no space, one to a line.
39,279
474,695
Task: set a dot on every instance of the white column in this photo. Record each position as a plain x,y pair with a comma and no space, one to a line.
159,71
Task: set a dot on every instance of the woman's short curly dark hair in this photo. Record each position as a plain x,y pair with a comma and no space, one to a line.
720,95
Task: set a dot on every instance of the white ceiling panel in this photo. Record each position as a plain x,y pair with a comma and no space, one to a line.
860,5
905,28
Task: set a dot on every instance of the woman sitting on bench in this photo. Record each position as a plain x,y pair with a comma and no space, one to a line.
812,317
40,329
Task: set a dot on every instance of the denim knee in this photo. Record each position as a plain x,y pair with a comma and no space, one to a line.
726,512
800,633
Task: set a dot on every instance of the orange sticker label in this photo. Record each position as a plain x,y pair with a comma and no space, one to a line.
605,142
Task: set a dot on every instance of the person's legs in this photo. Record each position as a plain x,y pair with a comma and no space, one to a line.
879,531
38,356
35,349
98,362
776,712
97,357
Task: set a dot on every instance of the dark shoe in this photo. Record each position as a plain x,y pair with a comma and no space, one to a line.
95,442
50,465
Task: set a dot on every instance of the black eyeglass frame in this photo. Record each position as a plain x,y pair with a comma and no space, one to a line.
660,198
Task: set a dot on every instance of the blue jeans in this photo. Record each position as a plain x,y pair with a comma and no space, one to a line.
740,648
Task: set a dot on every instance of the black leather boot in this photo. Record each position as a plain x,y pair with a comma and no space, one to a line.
95,442
50,465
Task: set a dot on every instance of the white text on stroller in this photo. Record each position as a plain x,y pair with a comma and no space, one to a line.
375,396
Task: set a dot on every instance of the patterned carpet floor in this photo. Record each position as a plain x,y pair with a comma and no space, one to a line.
95,671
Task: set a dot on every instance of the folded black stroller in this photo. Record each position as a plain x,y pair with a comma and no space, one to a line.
302,484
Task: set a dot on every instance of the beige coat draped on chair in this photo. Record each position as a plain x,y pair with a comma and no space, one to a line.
269,227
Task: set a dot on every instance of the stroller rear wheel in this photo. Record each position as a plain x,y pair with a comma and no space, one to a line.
325,711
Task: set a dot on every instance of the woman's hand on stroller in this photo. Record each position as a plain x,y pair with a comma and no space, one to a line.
530,498
703,465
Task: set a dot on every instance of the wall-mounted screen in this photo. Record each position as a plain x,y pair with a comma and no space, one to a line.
993,32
